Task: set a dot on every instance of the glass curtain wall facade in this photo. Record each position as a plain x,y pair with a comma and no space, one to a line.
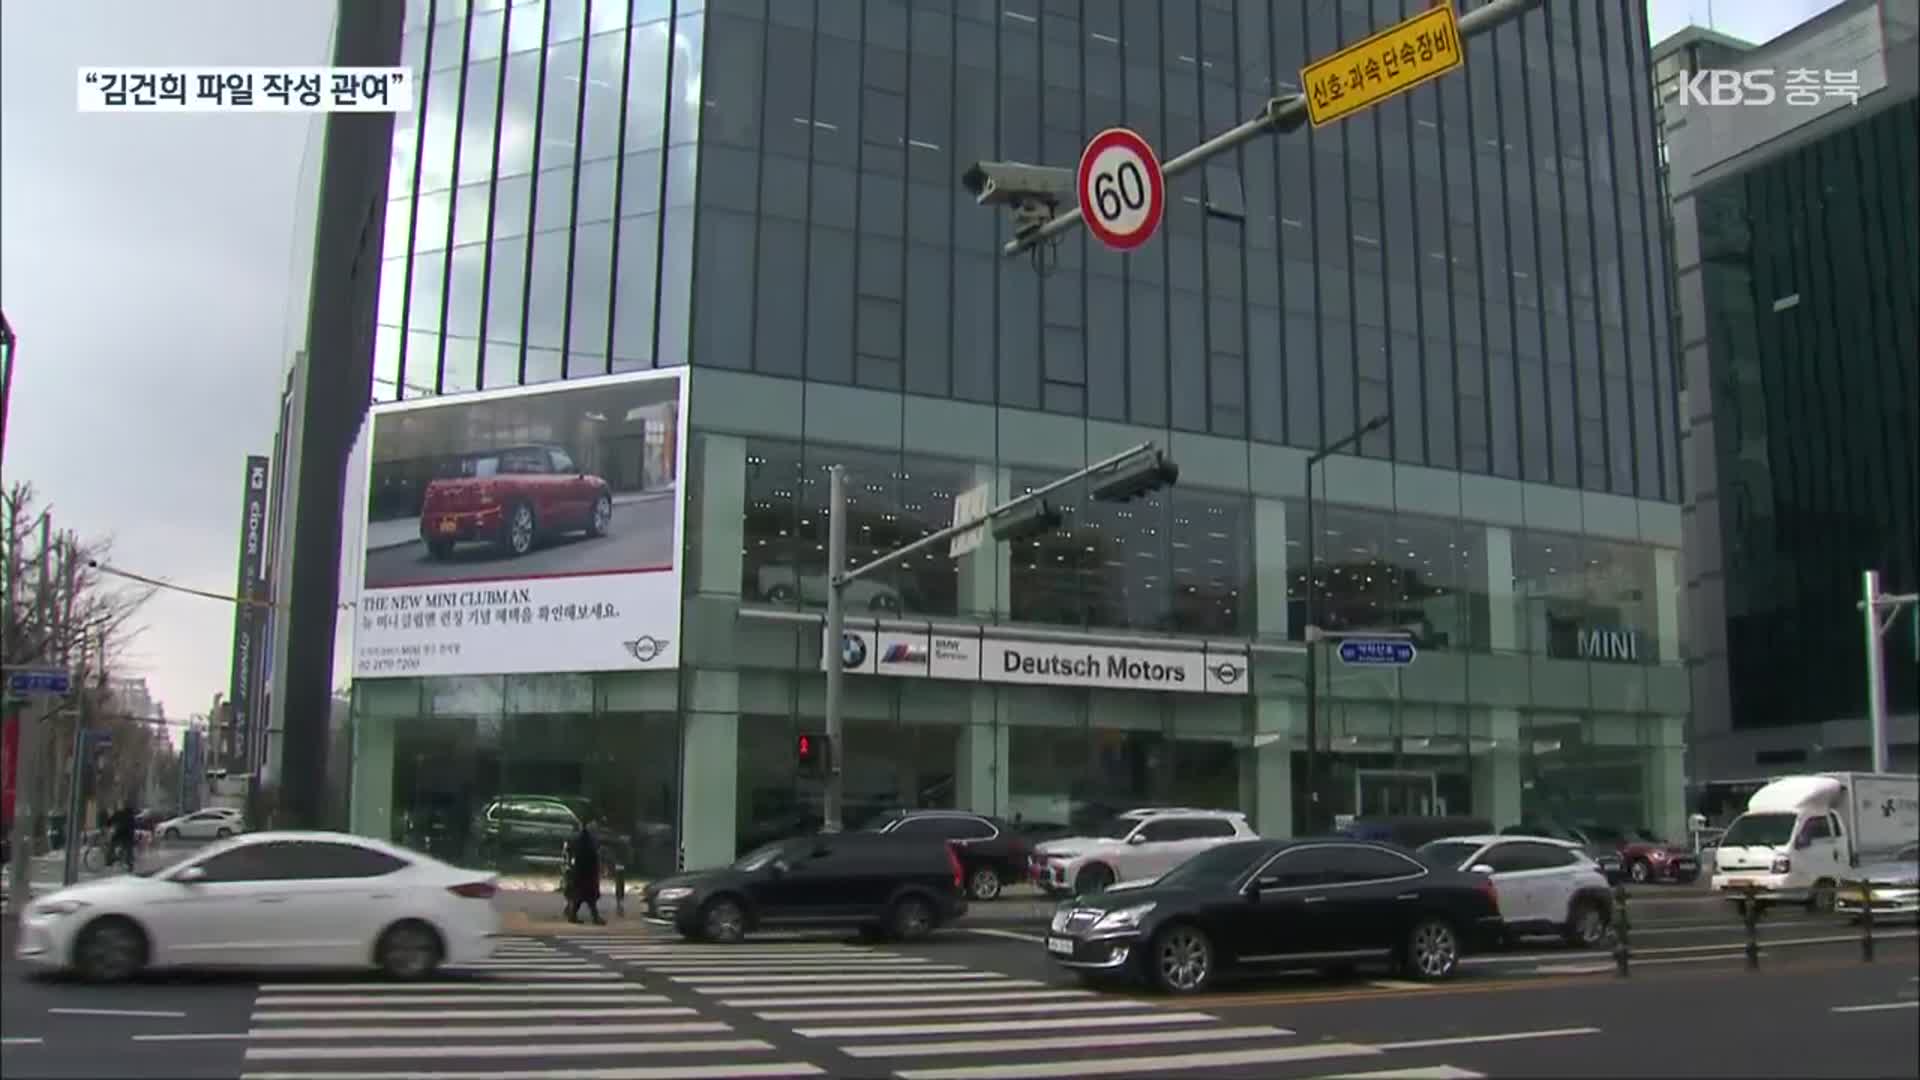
769,191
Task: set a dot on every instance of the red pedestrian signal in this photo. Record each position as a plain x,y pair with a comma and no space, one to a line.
806,749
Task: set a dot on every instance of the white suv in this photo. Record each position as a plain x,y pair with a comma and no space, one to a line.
1137,845
1545,886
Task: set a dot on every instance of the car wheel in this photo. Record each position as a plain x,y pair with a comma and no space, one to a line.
222,833
1586,925
170,834
1640,872
1820,900
911,918
1092,879
1182,959
723,921
983,883
602,516
520,530
1433,950
110,949
409,951
439,549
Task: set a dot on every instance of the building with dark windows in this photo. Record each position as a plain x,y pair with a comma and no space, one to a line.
1797,271
767,197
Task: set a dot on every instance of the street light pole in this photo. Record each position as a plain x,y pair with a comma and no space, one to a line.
832,642
9,347
1872,603
1311,631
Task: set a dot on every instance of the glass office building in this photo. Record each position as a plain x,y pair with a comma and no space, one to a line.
769,193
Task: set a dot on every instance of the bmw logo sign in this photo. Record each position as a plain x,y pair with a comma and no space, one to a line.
853,650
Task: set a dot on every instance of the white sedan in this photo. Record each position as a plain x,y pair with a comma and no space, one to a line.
275,899
1545,886
215,823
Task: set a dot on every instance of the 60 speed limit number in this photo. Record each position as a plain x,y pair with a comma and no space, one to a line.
1122,193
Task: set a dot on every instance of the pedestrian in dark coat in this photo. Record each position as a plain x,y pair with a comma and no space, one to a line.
583,875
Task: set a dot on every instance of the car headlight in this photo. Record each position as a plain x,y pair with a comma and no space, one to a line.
1657,856
1124,918
678,892
1782,865
57,908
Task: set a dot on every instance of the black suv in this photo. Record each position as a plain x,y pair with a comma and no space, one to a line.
902,887
991,853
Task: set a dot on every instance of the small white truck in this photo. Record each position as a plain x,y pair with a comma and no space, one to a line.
1801,834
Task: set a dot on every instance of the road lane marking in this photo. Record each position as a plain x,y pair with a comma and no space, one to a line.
632,997
1014,935
665,1072
1594,954
962,1010
1468,1040
491,1031
976,1026
1062,1042
906,999
1171,1064
508,1050
891,967
982,987
159,1014
1426,1072
1401,984
21,1040
348,1015
472,985
962,975
1882,1007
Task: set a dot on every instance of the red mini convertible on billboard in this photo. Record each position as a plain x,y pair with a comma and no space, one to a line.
513,499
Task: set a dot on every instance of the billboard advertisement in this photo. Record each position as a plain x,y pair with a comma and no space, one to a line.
534,529
250,591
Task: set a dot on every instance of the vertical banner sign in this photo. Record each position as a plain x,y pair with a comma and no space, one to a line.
246,618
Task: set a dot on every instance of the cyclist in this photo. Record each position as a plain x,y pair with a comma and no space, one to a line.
121,845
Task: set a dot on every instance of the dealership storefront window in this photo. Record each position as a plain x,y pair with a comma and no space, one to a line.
1586,598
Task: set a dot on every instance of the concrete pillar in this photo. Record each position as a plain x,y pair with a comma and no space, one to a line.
980,773
1666,790
1503,607
717,516
1496,769
1266,770
710,769
1270,567
984,591
371,807
1667,601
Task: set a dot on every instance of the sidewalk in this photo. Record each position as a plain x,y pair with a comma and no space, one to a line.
527,911
403,531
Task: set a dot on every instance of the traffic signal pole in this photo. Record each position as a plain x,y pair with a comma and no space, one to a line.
1119,467
1282,114
1873,602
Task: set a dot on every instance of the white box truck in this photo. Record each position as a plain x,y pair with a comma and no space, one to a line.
1801,834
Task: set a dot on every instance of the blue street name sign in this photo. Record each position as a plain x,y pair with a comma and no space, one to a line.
1388,652
38,683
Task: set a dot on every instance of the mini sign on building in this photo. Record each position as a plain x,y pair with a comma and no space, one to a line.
1390,62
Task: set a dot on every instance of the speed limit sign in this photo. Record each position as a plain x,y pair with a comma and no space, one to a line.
1122,193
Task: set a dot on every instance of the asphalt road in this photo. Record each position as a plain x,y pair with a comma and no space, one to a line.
641,536
986,1004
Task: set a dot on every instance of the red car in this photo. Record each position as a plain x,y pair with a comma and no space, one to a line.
513,498
1645,857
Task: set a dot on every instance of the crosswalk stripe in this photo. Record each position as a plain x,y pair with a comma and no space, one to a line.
344,1015
1172,1064
743,1071
1062,1042
478,986
492,1031
631,997
973,1026
795,952
721,967
1424,1072
982,989
961,1010
962,975
904,999
486,1050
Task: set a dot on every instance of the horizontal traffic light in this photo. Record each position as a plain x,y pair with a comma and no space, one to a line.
1133,476
1026,521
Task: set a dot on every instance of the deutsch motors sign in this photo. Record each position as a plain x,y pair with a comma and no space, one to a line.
980,655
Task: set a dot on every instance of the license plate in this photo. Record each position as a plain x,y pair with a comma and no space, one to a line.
1060,946
448,526
1738,883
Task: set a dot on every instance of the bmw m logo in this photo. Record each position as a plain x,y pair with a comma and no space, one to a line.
853,650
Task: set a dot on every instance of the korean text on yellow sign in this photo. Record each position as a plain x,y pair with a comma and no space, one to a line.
1396,59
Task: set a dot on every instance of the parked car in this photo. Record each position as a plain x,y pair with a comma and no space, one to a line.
534,830
992,854
513,498
1413,831
900,887
1895,885
1142,843
1648,858
1252,906
213,823
270,900
1545,886
1603,852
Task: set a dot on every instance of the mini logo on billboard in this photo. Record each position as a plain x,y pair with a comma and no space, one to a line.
853,650
645,648
1226,673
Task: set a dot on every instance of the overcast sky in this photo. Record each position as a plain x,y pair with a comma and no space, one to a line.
146,265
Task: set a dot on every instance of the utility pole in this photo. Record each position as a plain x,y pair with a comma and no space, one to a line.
1871,605
1121,478
1311,632
27,765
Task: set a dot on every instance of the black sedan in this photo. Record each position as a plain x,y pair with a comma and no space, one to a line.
1265,905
